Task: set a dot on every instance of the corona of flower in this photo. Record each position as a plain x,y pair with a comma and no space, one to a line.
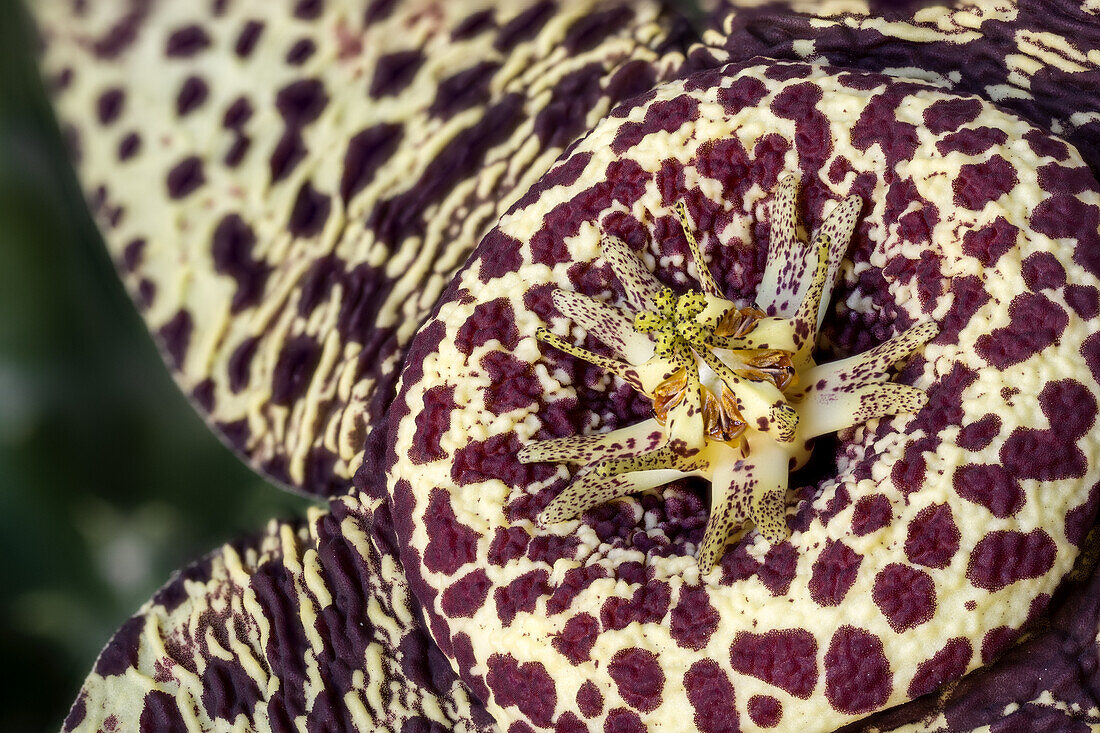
737,397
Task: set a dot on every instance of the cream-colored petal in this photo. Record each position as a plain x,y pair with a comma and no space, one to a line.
610,325
586,449
706,279
826,411
592,489
622,370
640,284
790,264
837,231
871,365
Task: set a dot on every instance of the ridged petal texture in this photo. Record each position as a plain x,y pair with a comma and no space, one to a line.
309,626
288,189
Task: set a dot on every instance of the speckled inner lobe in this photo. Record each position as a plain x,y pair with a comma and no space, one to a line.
917,549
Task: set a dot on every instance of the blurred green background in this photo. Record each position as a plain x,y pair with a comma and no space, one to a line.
108,479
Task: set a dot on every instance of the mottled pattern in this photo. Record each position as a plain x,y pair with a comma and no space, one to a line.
306,627
287,190
827,625
286,224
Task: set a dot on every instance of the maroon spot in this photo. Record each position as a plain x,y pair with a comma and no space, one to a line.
310,212
513,384
778,569
577,637
231,249
300,52
508,542
947,115
948,664
623,720
979,434
525,25
1079,519
520,595
301,102
980,183
785,658
576,580
1004,557
466,595
857,673
996,640
639,678
1035,323
133,254
879,124
905,595
631,79
834,572
378,11
393,72
813,140
1083,299
990,486
228,690
366,153
499,259
969,295
712,697
528,686
464,89
989,243
1042,270
186,41
1061,179
492,320
589,699
871,513
294,369
1051,455
247,38
175,335
585,33
663,116
648,604
473,25
109,105
693,620
203,394
121,653
191,95
568,722
237,151
495,458
431,423
161,713
129,146
1044,145
563,117
185,177
1063,215
451,544
551,548
741,94
932,538
972,141
765,710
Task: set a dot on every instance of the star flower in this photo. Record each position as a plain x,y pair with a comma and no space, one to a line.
737,396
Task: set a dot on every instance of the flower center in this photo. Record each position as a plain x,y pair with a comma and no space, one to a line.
737,397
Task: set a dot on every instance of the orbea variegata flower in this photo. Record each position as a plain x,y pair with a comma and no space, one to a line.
737,396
